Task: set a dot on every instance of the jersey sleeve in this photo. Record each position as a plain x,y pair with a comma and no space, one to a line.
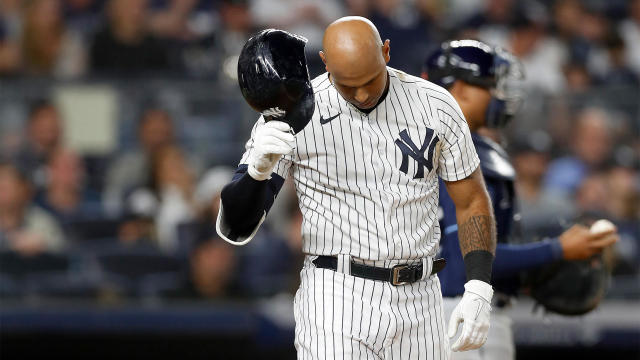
283,166
458,157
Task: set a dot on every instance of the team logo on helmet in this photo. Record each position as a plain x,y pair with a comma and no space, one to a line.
274,112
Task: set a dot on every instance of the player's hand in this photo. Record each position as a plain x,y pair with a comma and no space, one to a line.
271,141
578,243
473,311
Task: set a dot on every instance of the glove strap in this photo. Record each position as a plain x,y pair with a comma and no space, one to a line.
480,288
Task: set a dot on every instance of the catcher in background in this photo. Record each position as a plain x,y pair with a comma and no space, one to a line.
478,76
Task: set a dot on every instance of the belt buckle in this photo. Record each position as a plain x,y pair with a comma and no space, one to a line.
395,275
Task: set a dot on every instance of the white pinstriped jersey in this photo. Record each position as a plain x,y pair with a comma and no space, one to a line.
367,184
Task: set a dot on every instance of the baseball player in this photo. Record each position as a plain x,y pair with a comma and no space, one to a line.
366,169
481,80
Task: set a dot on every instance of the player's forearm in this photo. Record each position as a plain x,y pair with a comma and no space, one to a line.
477,236
477,227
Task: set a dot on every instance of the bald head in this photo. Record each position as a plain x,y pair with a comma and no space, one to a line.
356,58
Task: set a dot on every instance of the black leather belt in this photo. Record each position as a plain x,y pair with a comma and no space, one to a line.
398,275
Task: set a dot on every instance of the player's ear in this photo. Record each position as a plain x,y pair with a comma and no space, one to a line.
386,51
324,59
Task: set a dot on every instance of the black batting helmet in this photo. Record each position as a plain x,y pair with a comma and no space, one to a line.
274,79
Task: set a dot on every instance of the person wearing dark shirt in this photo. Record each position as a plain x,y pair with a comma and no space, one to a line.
44,133
66,196
124,45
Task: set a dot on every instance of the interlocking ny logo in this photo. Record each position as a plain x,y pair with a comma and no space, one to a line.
408,148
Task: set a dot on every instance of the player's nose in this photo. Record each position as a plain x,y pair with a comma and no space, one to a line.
361,96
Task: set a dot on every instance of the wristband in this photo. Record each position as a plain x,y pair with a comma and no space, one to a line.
478,265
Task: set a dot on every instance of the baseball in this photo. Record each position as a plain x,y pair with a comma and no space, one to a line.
601,226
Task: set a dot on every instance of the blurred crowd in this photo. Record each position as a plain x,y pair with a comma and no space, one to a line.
143,223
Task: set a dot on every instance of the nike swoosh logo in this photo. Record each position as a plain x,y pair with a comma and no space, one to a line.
324,121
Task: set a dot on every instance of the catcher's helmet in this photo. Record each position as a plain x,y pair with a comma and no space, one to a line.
274,79
479,64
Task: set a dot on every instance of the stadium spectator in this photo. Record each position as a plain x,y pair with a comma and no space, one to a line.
171,191
617,72
43,135
630,32
65,195
172,21
48,46
24,228
211,266
542,55
236,26
408,31
211,261
591,146
539,209
491,21
357,7
83,15
218,45
623,206
305,17
9,37
124,45
131,169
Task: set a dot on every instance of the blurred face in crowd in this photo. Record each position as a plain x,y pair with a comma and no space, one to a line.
66,170
45,129
156,130
623,193
211,267
356,59
499,10
171,168
635,10
14,190
524,39
128,18
567,16
236,17
592,141
592,194
531,166
44,15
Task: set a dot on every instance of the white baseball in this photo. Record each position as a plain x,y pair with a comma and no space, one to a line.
602,225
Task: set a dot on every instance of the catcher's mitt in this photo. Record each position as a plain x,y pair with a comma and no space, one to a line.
570,287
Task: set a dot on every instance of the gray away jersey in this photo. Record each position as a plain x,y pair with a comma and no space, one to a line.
367,184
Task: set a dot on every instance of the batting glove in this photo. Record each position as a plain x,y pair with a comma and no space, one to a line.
473,311
271,141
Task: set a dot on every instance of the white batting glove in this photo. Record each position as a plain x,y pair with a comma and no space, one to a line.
473,311
271,141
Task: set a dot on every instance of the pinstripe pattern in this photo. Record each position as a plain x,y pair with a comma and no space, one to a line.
356,199
353,196
366,319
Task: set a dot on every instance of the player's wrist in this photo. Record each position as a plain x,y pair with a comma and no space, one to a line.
478,265
557,252
257,174
480,288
